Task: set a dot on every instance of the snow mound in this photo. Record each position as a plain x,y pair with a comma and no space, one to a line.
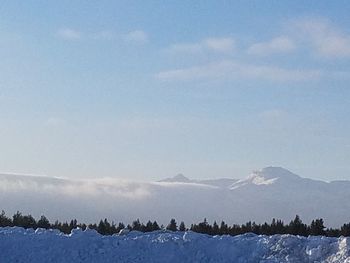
20,245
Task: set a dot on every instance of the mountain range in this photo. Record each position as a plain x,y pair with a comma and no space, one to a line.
272,192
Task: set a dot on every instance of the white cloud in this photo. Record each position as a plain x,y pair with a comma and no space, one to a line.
220,45
136,36
69,34
326,40
280,44
228,70
83,187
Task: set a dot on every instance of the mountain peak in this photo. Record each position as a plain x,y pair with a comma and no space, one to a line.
266,176
275,172
179,178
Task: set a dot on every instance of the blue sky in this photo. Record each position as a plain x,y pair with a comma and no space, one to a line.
146,90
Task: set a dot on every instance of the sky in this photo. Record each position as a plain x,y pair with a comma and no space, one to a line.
149,89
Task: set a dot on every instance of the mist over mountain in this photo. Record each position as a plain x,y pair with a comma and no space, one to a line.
272,192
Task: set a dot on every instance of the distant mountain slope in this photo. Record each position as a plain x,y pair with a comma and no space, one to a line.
270,192
221,182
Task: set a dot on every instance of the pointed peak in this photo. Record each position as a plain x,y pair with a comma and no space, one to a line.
179,178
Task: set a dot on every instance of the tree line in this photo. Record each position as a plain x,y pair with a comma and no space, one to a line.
104,227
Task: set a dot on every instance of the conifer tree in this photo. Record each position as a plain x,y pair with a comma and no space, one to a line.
223,228
65,228
120,227
296,227
43,222
172,225
345,230
136,225
182,226
155,226
23,221
149,226
317,227
204,227
4,220
215,229
73,224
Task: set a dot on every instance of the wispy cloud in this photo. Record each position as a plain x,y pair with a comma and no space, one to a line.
280,44
83,187
69,34
136,36
228,70
324,38
221,45
317,35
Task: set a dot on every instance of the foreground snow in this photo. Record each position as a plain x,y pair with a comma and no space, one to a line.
20,245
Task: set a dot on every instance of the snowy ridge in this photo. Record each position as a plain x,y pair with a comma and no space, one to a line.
266,176
20,245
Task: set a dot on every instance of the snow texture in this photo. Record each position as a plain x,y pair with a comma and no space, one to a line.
20,245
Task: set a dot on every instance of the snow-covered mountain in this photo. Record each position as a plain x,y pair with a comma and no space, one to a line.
270,192
267,176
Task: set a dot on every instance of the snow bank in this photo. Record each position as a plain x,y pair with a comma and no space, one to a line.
20,245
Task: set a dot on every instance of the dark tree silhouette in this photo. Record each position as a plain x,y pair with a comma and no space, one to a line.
317,227
172,225
43,222
182,226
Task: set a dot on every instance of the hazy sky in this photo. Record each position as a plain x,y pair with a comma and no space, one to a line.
148,89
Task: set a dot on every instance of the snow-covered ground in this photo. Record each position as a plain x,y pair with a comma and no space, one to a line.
20,245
